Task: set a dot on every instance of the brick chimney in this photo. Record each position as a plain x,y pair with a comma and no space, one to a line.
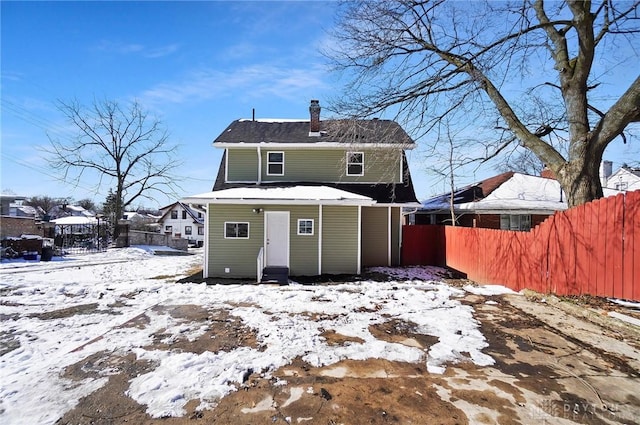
314,110
547,173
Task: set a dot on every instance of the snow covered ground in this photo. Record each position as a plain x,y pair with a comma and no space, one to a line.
56,314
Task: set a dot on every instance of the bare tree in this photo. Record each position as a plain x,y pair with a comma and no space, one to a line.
521,161
45,203
127,149
87,204
423,60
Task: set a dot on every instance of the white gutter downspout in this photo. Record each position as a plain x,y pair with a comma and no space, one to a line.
389,236
359,267
319,239
226,165
205,265
400,220
259,149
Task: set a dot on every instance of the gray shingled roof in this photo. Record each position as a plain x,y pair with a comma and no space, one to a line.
332,131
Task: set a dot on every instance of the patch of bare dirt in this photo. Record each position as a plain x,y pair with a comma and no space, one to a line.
543,373
70,312
223,332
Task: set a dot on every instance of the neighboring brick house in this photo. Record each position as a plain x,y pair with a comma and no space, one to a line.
14,227
17,219
184,221
305,197
508,201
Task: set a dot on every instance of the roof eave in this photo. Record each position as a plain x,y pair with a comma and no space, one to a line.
313,145
261,201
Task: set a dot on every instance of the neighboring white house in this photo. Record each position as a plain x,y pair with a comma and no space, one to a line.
626,179
78,211
183,221
143,221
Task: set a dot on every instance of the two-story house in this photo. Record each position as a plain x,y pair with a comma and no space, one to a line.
625,179
183,221
305,197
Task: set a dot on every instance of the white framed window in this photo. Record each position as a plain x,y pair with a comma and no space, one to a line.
275,163
515,222
201,230
174,214
236,230
305,226
168,228
622,186
187,230
355,163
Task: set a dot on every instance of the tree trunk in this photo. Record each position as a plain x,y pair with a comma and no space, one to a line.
581,180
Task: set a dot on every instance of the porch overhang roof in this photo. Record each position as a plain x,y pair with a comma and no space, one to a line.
74,220
293,195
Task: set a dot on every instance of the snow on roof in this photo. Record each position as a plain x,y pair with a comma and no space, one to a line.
79,220
520,192
293,194
274,120
526,192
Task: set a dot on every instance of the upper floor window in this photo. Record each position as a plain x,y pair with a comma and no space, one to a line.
622,186
184,215
275,163
355,163
200,230
174,214
187,230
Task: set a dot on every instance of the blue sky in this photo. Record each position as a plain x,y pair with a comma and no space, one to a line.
196,65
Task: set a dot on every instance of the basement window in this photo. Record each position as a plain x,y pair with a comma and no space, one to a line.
275,163
355,163
235,230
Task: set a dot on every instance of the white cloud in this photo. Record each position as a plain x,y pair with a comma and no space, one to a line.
135,48
161,51
255,81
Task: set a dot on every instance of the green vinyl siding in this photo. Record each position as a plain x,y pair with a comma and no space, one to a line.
339,239
303,249
375,235
325,165
315,165
396,230
338,228
238,255
242,165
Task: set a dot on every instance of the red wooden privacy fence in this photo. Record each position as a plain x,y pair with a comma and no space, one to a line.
591,249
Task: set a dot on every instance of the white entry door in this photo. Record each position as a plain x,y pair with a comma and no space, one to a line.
276,242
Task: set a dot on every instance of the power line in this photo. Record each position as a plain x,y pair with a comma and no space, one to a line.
46,172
